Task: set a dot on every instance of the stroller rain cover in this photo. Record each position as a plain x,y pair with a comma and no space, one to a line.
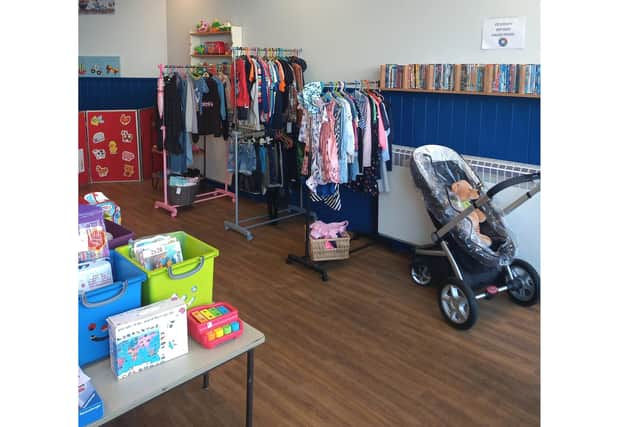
434,169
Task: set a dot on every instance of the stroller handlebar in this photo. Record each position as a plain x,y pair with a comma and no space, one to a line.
516,180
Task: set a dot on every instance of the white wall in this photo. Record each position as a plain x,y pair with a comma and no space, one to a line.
137,33
349,39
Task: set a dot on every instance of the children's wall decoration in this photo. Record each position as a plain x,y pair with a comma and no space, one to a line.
114,145
94,7
99,66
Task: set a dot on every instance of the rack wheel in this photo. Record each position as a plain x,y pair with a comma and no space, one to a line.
420,273
529,292
325,277
458,304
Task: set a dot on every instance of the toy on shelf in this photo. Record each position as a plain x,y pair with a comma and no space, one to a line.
213,324
203,26
215,25
199,50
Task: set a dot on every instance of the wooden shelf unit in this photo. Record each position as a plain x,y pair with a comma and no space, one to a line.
488,78
230,38
210,33
210,56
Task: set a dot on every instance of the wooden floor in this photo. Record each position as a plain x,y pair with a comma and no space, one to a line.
367,348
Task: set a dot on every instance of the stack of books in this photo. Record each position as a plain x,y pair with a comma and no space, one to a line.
157,251
394,76
530,75
504,78
472,77
443,76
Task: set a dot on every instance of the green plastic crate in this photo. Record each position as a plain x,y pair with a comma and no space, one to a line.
192,279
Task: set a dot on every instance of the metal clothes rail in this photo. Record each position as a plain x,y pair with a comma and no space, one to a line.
201,197
244,226
305,260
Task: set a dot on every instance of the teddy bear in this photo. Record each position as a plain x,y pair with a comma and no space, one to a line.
465,192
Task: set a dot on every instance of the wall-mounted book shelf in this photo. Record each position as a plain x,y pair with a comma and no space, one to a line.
514,80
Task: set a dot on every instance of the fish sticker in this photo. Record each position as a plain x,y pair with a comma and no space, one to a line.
98,137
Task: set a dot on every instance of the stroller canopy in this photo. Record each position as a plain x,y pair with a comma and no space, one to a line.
434,169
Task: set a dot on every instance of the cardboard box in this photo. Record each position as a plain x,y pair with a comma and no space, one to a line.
147,336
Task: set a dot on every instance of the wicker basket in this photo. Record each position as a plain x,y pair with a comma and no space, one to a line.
182,196
319,252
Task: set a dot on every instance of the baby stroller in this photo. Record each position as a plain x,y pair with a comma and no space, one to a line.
469,260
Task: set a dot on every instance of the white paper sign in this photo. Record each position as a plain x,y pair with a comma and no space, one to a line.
503,33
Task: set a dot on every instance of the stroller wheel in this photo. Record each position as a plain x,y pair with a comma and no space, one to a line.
420,274
529,293
458,304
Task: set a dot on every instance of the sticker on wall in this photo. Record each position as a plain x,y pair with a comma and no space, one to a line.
113,147
97,120
125,119
99,153
98,137
129,171
126,136
96,7
102,171
99,66
128,156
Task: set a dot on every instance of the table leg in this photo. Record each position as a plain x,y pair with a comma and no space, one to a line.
205,380
249,420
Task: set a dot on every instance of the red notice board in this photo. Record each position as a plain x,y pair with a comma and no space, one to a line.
83,155
114,145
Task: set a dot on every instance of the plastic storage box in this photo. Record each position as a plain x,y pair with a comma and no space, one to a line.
191,280
95,306
213,324
92,411
91,234
120,234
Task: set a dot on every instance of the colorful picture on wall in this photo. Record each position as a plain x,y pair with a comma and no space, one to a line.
87,7
99,66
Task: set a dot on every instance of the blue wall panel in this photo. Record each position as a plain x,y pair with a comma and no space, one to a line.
505,128
116,93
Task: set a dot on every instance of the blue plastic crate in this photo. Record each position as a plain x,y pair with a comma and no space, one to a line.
95,306
92,411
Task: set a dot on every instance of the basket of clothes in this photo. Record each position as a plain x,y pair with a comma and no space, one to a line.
329,242
182,190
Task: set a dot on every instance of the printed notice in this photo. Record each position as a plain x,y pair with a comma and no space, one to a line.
503,33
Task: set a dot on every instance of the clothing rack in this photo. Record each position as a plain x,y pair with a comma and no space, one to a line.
244,226
305,260
201,197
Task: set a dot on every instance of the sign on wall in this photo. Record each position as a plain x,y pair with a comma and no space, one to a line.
503,33
86,7
99,66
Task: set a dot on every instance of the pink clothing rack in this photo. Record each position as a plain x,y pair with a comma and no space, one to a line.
202,197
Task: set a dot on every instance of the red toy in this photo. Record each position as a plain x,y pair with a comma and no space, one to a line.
213,324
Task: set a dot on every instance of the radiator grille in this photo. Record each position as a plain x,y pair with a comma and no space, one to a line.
490,171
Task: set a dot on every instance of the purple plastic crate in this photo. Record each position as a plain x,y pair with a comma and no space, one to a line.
120,234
